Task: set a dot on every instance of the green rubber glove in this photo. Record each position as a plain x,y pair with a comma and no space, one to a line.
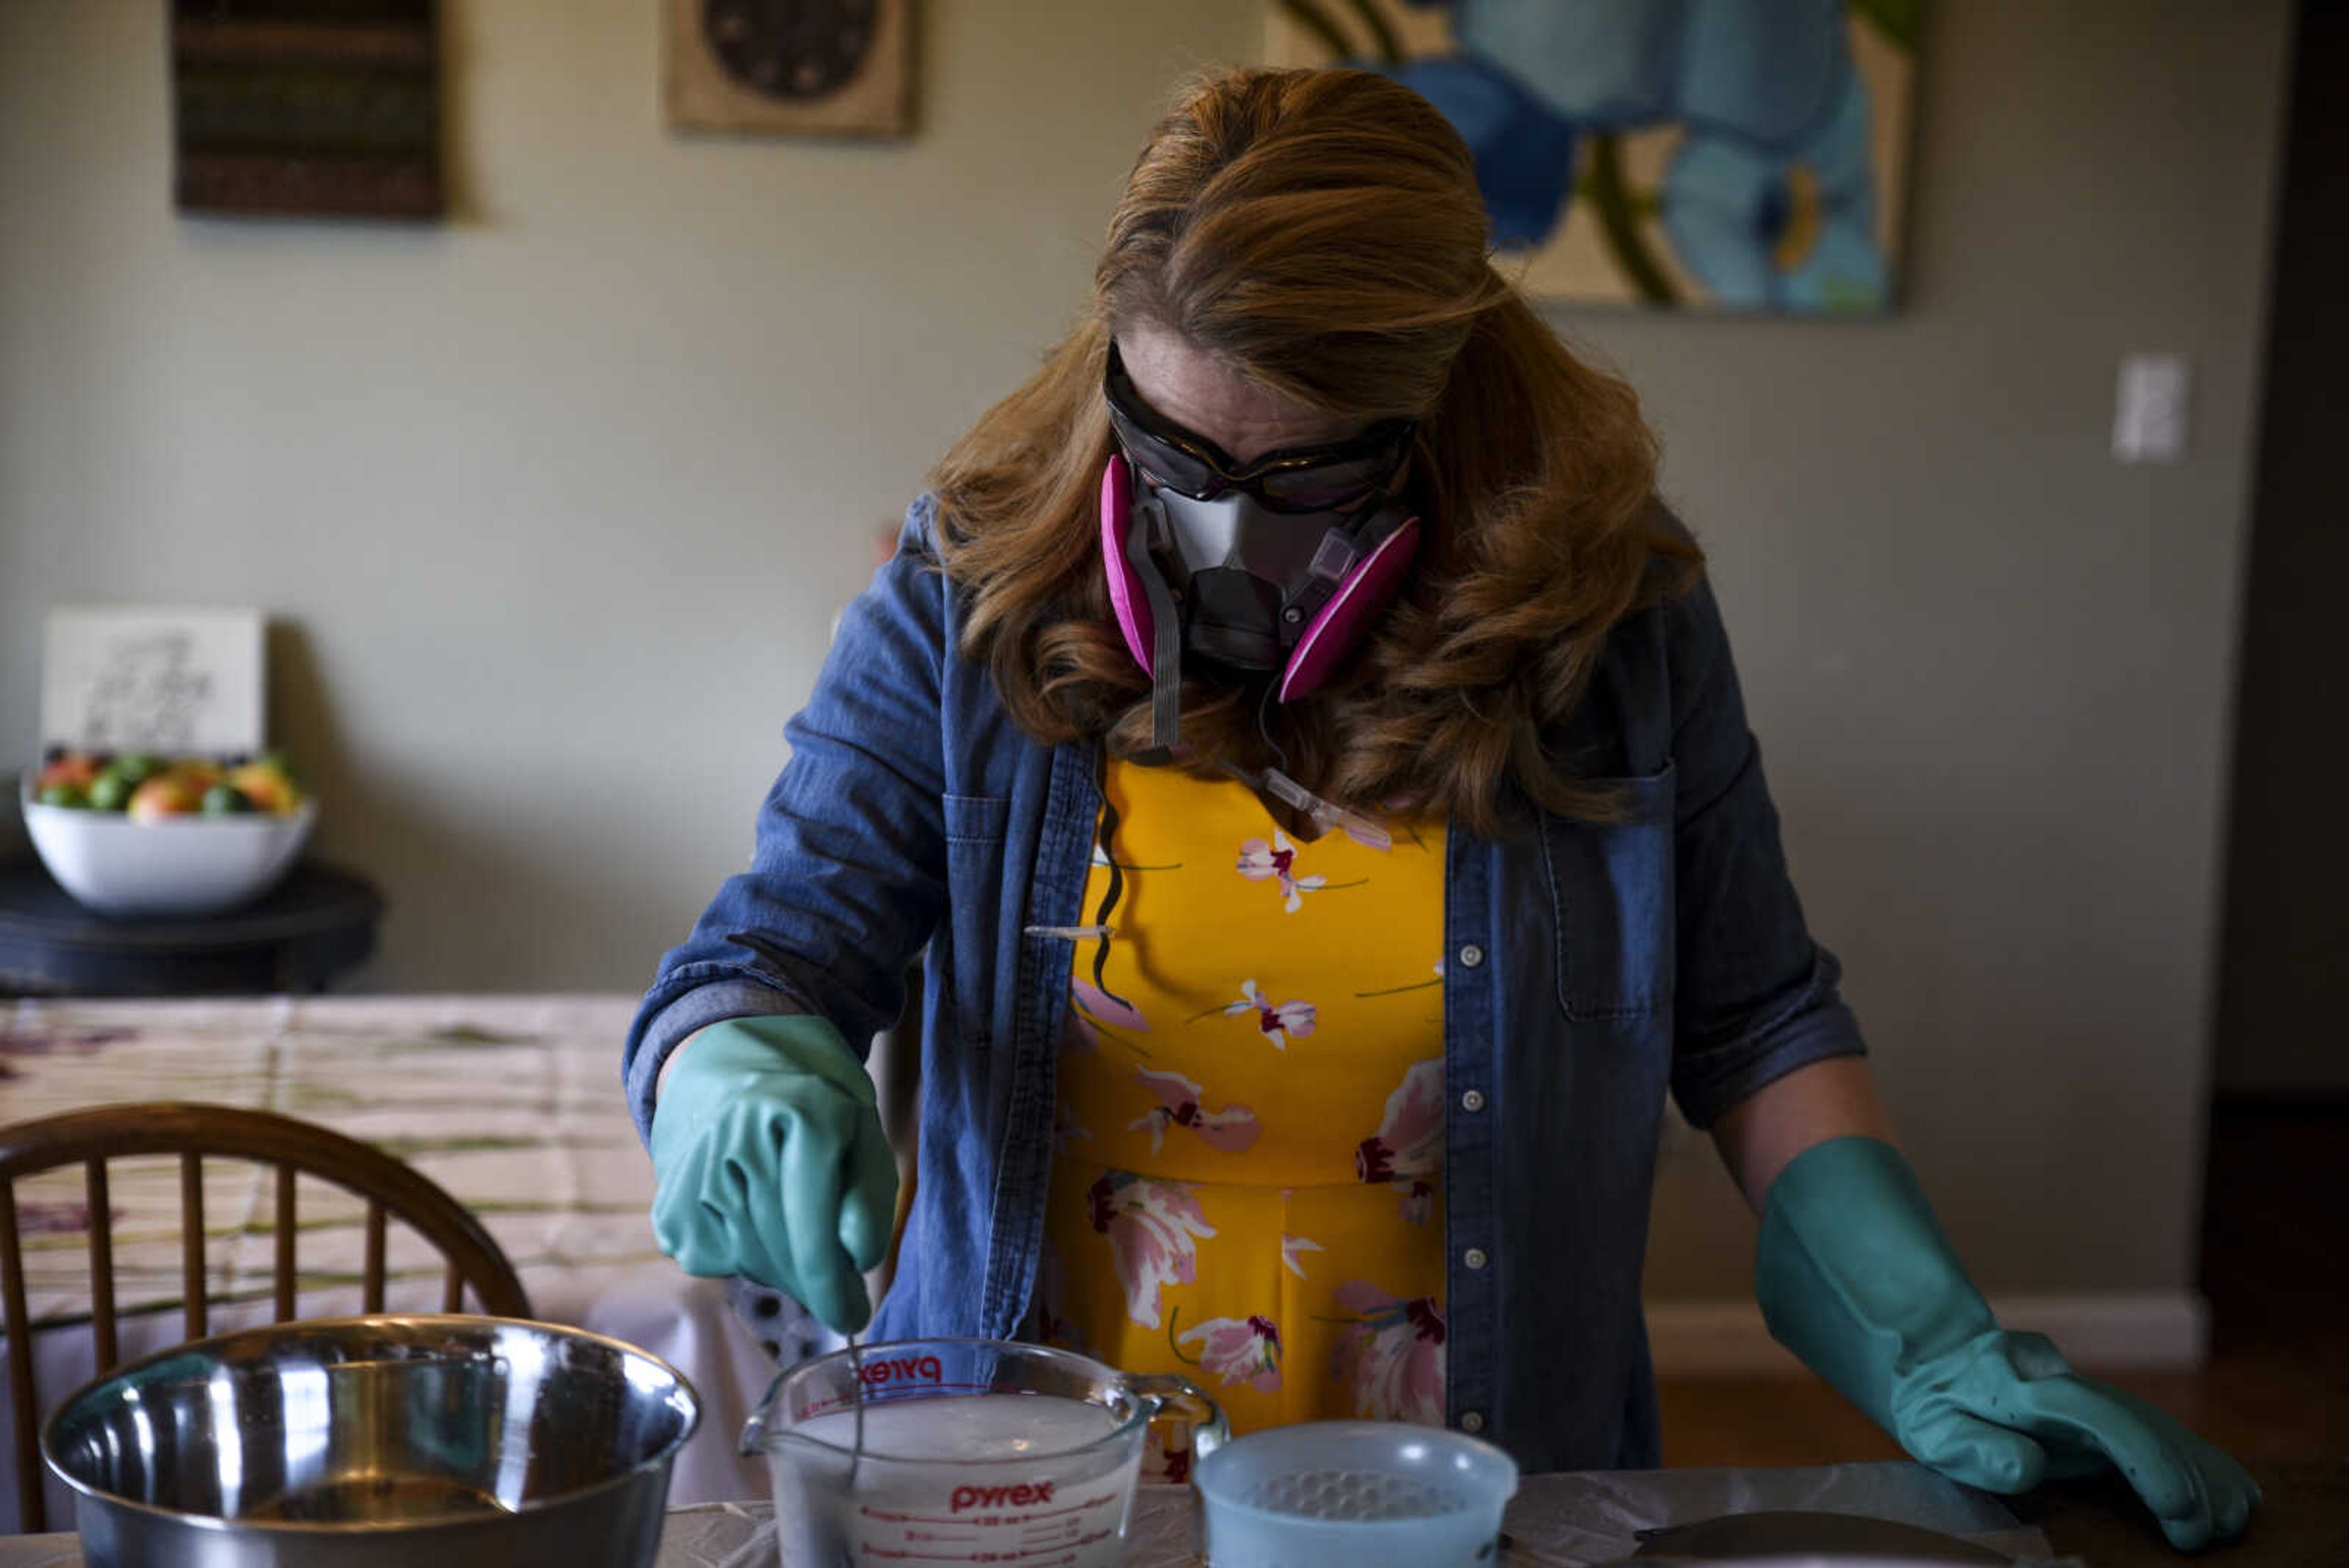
1855,1278
771,1163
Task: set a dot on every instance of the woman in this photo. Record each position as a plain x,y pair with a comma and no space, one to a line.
1313,761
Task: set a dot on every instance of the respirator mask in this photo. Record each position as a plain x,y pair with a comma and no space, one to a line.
1280,564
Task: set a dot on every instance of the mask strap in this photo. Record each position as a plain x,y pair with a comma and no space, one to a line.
1264,728
1166,644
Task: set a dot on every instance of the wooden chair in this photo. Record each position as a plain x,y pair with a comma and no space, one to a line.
91,1137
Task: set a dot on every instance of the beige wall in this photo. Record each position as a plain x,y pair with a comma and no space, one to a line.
558,499
1990,667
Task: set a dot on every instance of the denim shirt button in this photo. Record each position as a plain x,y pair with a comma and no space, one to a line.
1475,1258
1472,1422
1473,1100
1471,956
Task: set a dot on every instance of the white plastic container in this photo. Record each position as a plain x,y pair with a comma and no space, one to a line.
192,865
1354,1494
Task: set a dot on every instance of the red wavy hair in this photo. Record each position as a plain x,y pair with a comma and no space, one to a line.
1321,233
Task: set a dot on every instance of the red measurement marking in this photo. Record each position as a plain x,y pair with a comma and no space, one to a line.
869,1511
1071,1552
897,1394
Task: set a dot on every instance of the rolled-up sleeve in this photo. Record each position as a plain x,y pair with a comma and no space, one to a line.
847,874
1755,997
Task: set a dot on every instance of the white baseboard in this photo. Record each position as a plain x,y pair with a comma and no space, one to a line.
2121,1331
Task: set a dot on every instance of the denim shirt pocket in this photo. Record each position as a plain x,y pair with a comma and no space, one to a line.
975,825
1611,892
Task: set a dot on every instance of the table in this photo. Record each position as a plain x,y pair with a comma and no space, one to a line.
314,925
1576,1521
1555,1522
511,1102
2303,1520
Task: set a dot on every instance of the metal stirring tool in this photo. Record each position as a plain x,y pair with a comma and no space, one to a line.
856,1375
856,1441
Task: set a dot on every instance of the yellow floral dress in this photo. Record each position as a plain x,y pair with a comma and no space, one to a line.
1247,1185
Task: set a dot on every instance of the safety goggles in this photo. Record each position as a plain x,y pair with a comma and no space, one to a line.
1334,478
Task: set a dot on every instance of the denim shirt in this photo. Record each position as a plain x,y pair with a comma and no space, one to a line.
1588,968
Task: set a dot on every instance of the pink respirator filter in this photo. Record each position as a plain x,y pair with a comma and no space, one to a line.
1366,591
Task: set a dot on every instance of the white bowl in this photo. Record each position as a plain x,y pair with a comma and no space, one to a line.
191,865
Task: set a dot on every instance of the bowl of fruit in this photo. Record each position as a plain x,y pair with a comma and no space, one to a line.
137,833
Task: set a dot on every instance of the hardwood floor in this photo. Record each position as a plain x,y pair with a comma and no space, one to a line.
2256,1405
2275,1267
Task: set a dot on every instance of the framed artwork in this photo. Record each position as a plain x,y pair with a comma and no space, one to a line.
842,68
306,108
1747,155
153,681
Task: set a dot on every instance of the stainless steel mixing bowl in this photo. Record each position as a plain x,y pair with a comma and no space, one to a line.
376,1441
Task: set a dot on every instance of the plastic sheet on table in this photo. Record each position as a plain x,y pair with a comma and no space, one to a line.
1571,1521
1555,1522
720,1536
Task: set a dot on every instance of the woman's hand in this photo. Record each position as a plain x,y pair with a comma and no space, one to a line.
773,1163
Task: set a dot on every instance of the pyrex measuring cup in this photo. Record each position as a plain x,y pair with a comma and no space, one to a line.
974,1450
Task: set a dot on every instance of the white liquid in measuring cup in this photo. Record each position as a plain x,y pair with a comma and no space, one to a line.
991,1477
972,1426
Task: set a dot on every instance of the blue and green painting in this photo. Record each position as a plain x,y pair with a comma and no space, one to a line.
1696,154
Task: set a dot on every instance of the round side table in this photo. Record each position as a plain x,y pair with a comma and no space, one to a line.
310,927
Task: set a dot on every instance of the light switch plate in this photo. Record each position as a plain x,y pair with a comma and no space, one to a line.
2150,407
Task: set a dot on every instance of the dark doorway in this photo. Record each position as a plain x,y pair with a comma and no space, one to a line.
2283,984
2275,1259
